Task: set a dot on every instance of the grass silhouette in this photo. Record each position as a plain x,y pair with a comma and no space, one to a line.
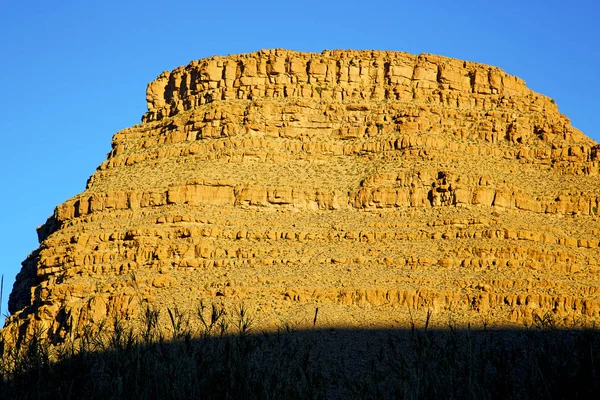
225,359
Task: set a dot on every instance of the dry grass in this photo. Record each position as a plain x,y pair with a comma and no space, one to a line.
222,360
226,359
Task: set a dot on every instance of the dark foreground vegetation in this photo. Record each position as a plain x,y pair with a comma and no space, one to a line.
226,360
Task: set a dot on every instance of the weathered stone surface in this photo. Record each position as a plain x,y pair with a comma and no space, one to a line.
368,184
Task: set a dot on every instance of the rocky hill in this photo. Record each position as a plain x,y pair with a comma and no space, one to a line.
346,188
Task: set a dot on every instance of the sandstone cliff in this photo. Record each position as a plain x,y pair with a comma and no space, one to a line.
372,185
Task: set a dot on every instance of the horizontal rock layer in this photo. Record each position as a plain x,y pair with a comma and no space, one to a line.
373,186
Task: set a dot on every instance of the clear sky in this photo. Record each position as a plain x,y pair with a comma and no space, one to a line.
72,73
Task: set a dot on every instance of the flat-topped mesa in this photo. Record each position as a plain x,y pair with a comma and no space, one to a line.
337,75
340,180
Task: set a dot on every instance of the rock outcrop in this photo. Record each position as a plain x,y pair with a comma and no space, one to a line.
372,185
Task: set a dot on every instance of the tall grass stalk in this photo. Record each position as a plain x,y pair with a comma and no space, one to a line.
1,293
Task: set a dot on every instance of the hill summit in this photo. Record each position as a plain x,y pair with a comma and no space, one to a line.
342,188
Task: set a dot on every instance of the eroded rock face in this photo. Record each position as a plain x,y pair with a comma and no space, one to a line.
372,185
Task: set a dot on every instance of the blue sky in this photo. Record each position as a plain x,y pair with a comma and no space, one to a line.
73,73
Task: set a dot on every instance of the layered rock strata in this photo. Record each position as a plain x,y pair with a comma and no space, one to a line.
371,185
